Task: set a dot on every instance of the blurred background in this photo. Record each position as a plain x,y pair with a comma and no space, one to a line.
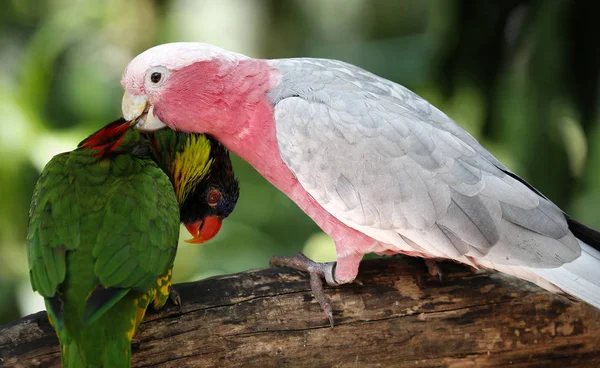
521,76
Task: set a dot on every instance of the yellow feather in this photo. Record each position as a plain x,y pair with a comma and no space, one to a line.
191,165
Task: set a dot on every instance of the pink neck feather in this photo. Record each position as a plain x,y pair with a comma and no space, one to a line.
229,101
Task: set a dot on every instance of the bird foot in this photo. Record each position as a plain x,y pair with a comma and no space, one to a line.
317,271
433,267
175,298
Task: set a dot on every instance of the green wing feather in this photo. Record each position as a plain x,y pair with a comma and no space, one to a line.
100,301
50,234
136,232
137,240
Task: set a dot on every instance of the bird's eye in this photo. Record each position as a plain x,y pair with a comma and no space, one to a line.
214,197
155,77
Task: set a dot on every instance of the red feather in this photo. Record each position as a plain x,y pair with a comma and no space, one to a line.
107,139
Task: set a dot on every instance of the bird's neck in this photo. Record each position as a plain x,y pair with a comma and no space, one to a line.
231,104
234,107
256,143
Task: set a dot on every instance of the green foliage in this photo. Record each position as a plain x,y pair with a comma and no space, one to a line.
521,76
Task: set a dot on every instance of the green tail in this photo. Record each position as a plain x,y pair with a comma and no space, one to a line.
104,341
115,354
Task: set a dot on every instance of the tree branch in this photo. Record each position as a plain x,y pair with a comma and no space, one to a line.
399,317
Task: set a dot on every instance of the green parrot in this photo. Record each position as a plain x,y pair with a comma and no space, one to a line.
104,227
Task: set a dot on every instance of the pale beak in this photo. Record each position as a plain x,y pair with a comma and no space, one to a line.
133,106
138,107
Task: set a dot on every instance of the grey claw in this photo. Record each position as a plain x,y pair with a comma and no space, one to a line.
434,268
175,298
317,272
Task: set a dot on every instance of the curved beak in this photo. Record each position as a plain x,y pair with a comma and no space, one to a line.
139,107
204,230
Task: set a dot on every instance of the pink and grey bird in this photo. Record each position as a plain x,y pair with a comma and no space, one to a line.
377,167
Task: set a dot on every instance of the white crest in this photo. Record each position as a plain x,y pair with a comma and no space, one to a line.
174,56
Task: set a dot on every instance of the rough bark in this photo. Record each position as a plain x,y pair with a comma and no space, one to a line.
401,316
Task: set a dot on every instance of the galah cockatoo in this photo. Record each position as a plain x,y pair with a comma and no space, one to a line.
377,167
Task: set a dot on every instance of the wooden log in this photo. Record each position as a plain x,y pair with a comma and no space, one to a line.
401,317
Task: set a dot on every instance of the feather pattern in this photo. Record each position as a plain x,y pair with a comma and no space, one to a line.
384,161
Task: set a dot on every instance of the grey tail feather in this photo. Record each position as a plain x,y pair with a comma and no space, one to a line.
586,234
518,178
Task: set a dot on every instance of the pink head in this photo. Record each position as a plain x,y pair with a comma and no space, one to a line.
193,87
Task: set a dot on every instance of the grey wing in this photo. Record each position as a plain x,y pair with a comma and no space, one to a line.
386,162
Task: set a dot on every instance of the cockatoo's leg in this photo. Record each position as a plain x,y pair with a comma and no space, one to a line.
433,267
317,271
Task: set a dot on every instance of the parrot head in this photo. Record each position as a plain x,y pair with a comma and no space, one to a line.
199,168
194,87
202,175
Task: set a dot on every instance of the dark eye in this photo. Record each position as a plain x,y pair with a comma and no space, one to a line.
214,197
155,77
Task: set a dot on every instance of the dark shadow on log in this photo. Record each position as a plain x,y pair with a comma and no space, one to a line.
400,317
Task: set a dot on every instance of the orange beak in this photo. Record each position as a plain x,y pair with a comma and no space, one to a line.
204,230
